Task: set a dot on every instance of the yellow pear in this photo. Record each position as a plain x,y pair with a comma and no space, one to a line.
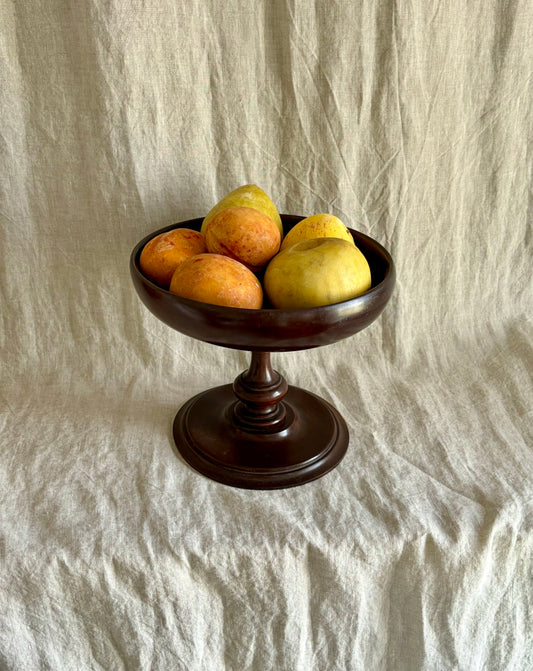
317,226
248,195
316,272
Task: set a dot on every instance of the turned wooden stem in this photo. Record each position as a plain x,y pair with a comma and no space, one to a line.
259,390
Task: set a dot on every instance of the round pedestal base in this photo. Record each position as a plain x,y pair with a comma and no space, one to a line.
311,440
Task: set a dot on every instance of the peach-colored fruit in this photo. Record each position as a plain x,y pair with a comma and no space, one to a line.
163,254
244,234
219,280
248,195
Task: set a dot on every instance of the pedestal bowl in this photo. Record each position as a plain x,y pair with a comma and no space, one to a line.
260,432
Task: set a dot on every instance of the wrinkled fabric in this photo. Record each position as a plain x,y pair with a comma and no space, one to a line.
409,121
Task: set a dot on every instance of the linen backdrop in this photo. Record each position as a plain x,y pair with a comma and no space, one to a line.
411,121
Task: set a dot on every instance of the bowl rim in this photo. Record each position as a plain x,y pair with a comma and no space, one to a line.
350,303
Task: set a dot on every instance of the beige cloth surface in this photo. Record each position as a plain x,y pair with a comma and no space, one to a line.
411,121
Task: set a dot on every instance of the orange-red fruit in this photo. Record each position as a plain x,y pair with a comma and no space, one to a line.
243,234
219,280
163,254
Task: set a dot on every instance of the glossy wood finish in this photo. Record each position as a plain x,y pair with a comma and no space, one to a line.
259,432
309,443
260,391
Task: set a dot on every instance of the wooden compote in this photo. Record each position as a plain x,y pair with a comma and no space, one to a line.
260,432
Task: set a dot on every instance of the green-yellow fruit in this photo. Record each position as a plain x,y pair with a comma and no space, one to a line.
248,195
316,272
317,226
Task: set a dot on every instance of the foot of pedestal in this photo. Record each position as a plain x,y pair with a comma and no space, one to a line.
308,442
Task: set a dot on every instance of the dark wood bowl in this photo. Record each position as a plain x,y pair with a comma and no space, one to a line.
260,433
270,329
